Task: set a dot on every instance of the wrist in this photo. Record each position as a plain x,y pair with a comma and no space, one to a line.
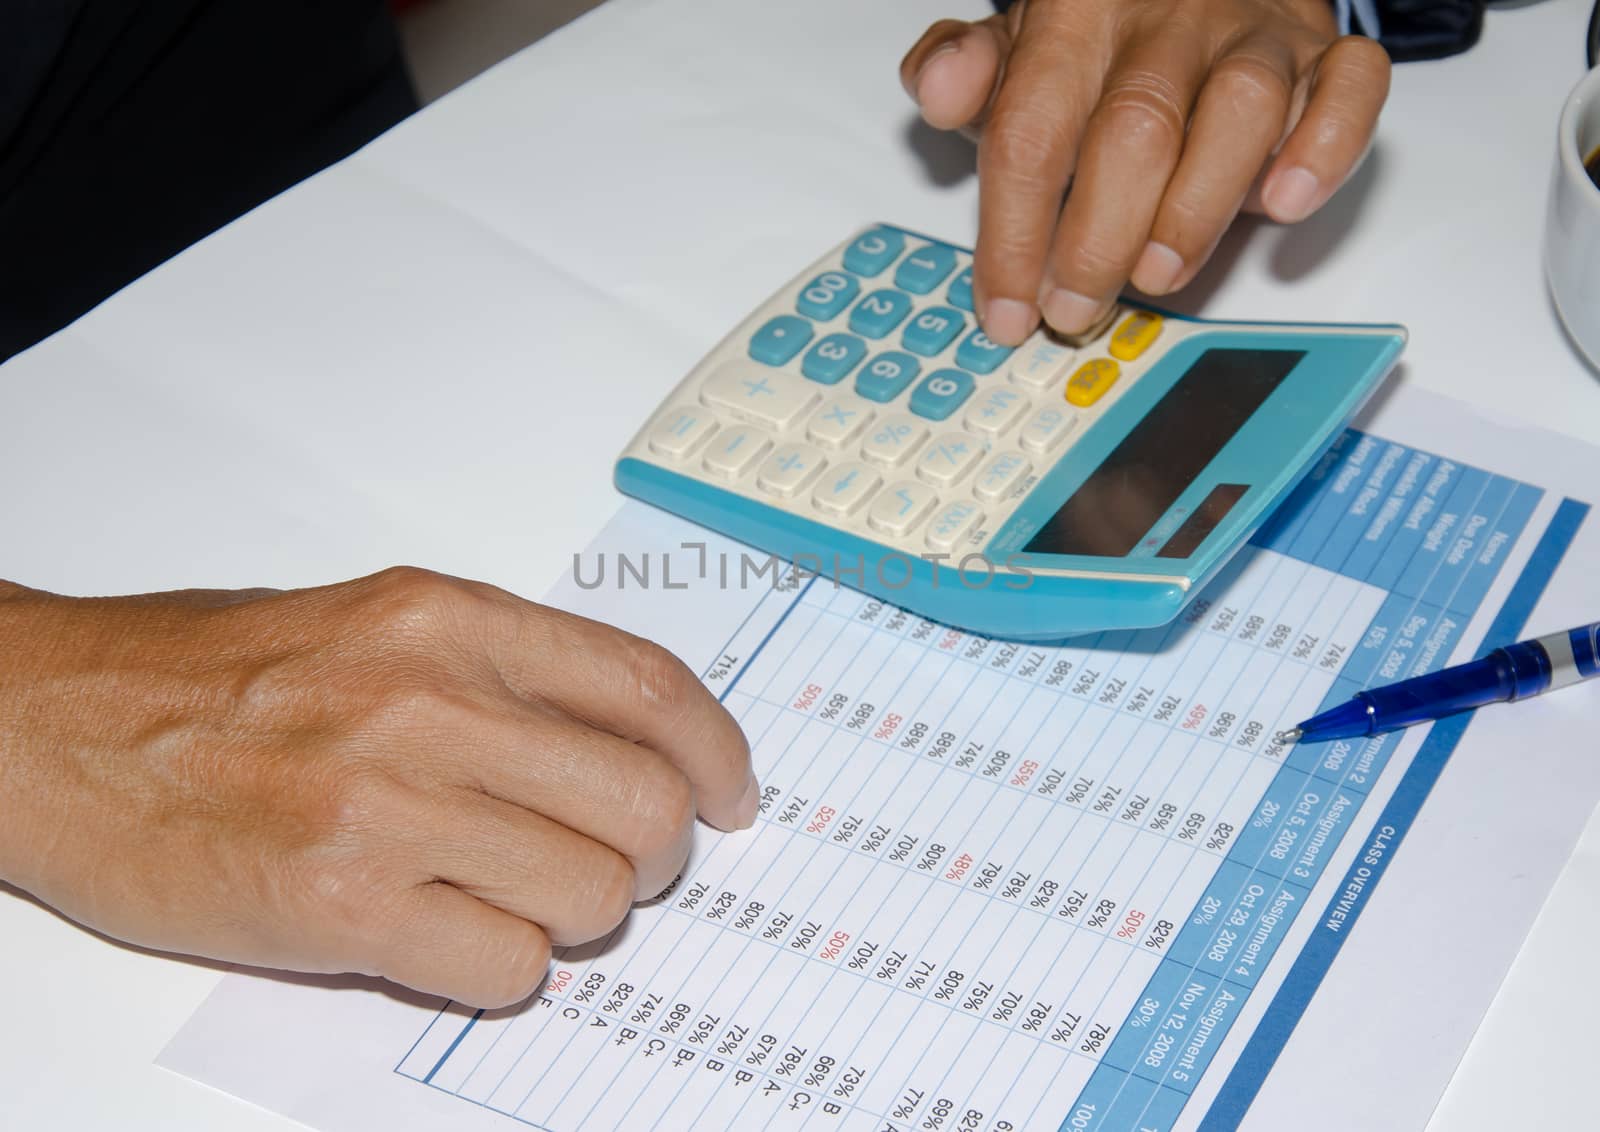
26,631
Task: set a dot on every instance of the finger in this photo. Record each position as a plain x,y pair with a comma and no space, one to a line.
1025,158
1237,120
573,887
1130,149
1322,150
954,70
638,691
451,944
612,791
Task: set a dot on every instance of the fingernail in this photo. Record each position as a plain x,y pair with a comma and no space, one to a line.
749,804
915,88
1009,321
1291,195
1157,270
1070,312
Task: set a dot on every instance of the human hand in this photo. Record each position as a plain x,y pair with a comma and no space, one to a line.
406,775
1162,114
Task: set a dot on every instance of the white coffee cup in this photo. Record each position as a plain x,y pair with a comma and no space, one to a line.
1572,220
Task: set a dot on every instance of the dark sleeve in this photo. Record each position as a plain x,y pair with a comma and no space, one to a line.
131,128
1413,29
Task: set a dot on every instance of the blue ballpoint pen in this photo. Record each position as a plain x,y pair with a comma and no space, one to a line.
1514,672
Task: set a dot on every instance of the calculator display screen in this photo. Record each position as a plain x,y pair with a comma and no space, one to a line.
1143,476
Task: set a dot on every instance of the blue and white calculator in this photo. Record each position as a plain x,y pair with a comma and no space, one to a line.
861,426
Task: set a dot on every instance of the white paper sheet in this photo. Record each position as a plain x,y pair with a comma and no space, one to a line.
1005,887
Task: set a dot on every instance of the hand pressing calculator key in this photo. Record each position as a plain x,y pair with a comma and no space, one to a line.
860,425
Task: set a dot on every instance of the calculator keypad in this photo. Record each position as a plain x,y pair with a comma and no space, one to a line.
734,451
887,376
832,359
901,506
997,410
925,268
1046,428
838,423
979,354
866,395
790,469
879,313
1039,363
869,253
932,330
763,396
677,433
893,440
950,457
953,523
780,339
827,295
942,393
960,293
845,488
1001,476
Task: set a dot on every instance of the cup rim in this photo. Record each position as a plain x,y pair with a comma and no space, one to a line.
1567,146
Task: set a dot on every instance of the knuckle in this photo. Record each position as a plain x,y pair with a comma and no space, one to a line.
416,601
668,802
1186,225
519,968
424,707
1143,109
659,679
1360,52
1024,144
1087,263
1251,87
610,893
358,799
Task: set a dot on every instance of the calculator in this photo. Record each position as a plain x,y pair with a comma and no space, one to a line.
860,427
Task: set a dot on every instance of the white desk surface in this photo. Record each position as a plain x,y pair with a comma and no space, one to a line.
431,353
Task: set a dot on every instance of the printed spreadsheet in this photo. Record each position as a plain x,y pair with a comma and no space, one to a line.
998,886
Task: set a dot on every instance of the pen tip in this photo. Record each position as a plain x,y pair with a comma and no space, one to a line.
1286,738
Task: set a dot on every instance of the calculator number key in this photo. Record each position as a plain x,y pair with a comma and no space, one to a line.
960,292
979,354
950,456
733,453
901,507
790,469
892,440
838,423
832,358
1046,428
845,488
997,410
871,252
1001,476
953,524
780,339
933,330
887,375
680,431
925,268
879,313
761,396
941,393
826,295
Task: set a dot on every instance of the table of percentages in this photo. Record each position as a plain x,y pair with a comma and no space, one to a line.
1001,886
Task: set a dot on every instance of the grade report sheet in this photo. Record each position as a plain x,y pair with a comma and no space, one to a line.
998,886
